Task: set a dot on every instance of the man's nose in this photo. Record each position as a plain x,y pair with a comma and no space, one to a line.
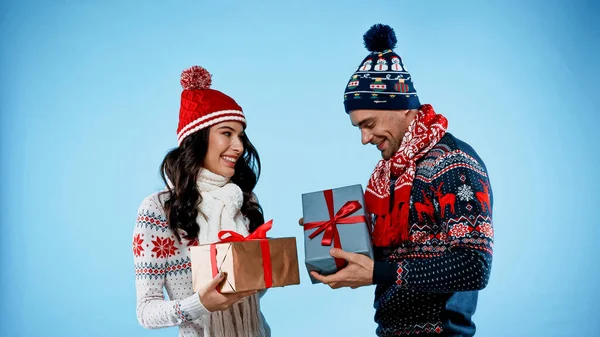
366,136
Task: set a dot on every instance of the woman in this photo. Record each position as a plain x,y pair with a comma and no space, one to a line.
209,180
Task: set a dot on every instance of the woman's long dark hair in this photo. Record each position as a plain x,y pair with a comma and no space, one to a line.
181,166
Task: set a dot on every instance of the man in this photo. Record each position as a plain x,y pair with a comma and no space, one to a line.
431,205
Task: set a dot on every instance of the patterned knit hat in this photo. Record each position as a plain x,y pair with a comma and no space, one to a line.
201,106
381,81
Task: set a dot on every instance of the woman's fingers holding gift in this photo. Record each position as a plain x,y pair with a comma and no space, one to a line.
210,297
231,299
238,296
213,300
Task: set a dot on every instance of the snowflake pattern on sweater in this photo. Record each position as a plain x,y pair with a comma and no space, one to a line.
162,262
429,284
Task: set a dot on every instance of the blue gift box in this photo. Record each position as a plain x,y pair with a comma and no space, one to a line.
318,209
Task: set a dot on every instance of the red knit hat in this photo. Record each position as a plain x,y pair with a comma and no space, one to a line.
201,106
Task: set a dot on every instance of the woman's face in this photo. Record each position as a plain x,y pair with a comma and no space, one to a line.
224,148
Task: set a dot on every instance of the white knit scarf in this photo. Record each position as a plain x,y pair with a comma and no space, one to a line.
220,209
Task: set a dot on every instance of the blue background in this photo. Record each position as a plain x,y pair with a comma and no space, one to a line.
89,102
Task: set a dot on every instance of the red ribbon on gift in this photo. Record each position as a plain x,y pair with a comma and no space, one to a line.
259,234
329,227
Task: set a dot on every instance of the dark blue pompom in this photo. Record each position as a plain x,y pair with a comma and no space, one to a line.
379,38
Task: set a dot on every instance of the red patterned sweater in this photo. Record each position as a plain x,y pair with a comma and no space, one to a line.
429,284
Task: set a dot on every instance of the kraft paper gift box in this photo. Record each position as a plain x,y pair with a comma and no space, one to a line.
250,263
334,218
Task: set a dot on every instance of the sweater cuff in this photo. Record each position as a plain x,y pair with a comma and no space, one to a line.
384,272
190,308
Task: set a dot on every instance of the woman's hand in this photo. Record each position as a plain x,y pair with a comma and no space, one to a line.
212,300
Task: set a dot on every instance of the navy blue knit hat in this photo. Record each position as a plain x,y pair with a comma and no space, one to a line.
381,81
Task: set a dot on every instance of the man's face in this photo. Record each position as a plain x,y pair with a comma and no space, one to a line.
382,128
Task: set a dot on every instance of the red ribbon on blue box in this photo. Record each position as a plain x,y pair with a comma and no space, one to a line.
329,227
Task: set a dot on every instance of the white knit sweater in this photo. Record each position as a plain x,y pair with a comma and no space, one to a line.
161,262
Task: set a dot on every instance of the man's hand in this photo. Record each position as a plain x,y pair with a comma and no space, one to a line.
358,272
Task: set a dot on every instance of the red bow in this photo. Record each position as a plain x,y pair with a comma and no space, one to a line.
259,234
329,227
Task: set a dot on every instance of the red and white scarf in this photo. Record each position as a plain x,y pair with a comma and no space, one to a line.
392,225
